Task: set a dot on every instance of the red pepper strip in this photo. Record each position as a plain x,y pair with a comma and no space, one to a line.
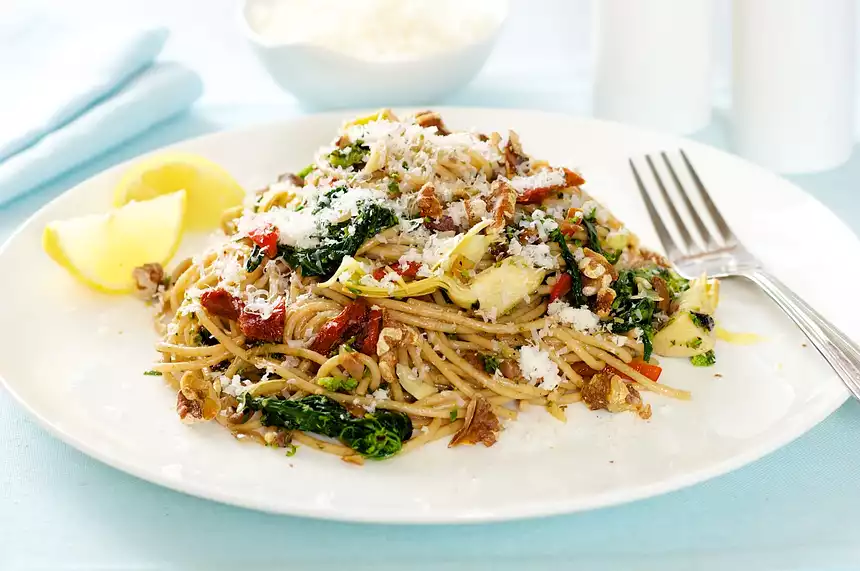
370,332
221,303
572,179
266,237
569,229
536,195
407,270
270,329
335,331
651,371
560,287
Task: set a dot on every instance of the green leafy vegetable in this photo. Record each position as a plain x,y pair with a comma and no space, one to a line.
590,223
453,414
305,171
339,240
152,373
702,320
576,296
704,360
376,435
356,155
291,449
255,259
203,337
631,310
324,201
338,384
491,363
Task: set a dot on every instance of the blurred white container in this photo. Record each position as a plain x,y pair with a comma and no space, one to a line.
332,62
654,63
793,83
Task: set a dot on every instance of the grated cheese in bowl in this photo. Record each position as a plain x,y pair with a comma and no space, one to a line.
339,53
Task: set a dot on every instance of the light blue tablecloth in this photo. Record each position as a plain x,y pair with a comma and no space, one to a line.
796,509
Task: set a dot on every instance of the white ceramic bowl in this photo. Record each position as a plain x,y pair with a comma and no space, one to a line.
323,78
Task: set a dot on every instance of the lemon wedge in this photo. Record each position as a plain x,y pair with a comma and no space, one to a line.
102,250
211,190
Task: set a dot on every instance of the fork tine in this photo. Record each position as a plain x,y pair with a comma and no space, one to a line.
706,234
689,245
662,232
722,225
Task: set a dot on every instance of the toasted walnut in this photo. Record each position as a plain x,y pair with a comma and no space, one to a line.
148,280
609,391
502,202
594,265
197,399
659,285
597,275
595,393
432,119
653,257
291,178
514,155
481,424
428,204
603,303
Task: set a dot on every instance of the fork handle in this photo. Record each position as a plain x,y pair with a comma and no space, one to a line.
837,349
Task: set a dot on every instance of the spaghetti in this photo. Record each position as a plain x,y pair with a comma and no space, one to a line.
414,284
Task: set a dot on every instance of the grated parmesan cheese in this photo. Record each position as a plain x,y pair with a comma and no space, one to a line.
538,255
581,318
537,367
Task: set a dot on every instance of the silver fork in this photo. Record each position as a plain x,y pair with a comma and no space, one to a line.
724,256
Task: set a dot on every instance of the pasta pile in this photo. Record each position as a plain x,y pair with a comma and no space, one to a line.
414,284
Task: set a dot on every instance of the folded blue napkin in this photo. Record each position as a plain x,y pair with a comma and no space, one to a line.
71,94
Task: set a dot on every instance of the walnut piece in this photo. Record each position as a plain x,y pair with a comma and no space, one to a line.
148,280
502,202
597,275
428,205
197,399
481,424
432,119
514,155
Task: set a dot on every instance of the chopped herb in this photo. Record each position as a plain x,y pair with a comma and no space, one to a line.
453,414
356,291
338,384
255,259
152,373
376,435
491,363
356,156
703,360
291,449
702,320
305,171
694,343
393,187
300,207
575,295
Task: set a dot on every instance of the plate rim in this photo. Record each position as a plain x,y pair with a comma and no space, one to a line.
525,511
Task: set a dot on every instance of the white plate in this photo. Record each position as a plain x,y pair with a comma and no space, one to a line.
74,358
